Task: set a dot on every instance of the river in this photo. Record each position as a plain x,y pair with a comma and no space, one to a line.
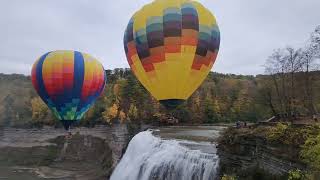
172,153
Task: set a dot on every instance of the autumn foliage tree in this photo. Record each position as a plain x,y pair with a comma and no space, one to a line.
110,113
39,109
41,115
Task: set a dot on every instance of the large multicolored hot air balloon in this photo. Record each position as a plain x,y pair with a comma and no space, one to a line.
171,46
69,82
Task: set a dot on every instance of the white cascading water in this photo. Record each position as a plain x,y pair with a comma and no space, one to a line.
152,158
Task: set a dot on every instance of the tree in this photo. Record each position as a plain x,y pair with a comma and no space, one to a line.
39,109
122,116
133,112
309,57
275,67
265,95
110,113
315,42
209,114
294,65
282,66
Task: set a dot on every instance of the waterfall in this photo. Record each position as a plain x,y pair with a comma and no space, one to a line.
152,158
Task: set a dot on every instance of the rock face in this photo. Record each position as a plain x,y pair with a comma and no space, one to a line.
118,141
81,157
250,156
90,154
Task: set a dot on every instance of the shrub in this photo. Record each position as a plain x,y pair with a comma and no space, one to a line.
277,132
228,177
296,175
311,152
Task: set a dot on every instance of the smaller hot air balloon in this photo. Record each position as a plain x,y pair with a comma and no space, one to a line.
69,82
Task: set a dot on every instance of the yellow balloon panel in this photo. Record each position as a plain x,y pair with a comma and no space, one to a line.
171,46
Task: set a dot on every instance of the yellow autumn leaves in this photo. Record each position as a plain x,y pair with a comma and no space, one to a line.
39,109
113,113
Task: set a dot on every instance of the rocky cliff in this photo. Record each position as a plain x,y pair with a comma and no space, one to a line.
248,154
46,153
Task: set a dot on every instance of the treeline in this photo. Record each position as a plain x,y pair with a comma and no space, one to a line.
292,85
289,89
221,98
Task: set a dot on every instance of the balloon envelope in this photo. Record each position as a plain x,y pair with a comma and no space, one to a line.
69,82
171,47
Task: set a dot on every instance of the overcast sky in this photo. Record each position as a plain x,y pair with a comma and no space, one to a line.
250,30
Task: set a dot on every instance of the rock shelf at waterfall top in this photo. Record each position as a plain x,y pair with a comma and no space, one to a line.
191,133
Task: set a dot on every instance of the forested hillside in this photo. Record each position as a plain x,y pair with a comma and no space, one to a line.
221,98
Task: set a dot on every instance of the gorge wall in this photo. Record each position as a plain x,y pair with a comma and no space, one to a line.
90,154
250,156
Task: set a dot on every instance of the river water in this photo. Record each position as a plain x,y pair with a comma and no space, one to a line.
175,153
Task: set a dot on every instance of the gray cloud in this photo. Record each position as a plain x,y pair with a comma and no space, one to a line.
250,30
